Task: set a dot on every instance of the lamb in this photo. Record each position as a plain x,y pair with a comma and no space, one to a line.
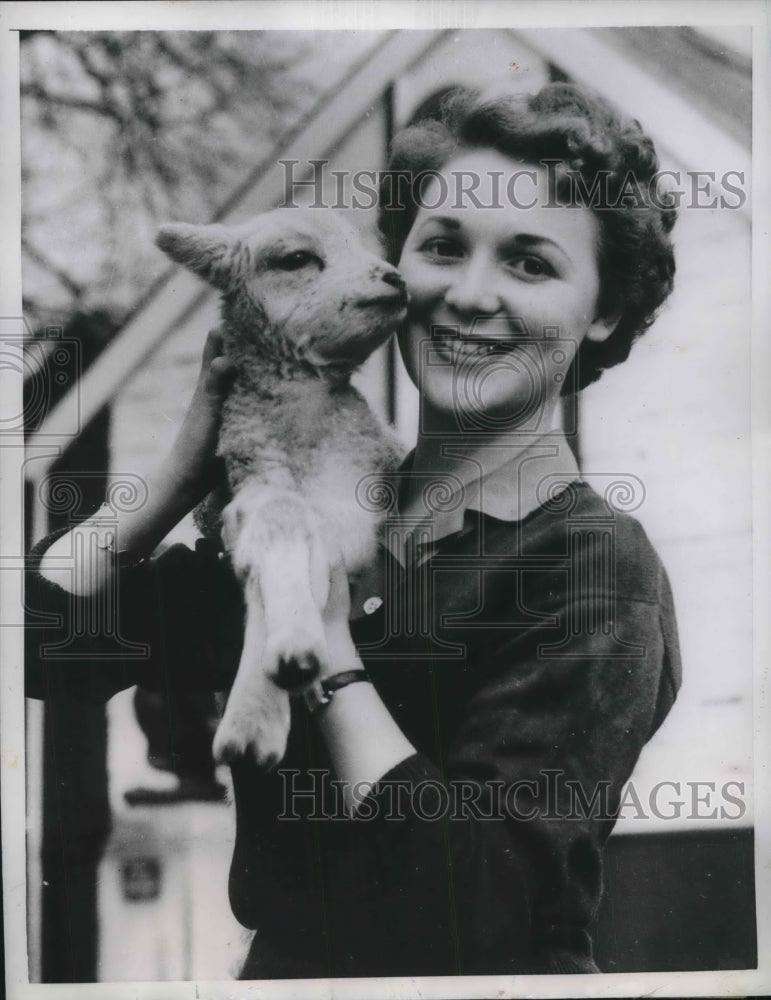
304,303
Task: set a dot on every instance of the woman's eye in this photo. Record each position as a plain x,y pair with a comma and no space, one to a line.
440,246
298,259
532,267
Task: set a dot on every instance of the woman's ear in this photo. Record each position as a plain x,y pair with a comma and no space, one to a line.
601,327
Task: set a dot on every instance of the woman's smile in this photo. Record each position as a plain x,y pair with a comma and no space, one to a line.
459,349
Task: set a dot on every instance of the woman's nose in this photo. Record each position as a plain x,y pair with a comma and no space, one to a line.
472,287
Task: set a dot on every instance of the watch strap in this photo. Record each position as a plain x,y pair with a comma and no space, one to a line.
321,691
105,532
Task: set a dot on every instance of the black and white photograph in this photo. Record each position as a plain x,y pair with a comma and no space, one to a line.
385,499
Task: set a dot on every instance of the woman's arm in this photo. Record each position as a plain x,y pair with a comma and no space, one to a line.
362,737
78,564
173,623
488,860
93,629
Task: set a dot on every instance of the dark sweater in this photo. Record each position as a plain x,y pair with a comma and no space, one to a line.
528,662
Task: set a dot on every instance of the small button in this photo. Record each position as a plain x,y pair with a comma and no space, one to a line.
372,604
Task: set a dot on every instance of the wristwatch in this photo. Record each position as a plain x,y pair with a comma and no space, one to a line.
321,691
104,538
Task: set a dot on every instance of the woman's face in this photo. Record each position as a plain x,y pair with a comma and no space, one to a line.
500,297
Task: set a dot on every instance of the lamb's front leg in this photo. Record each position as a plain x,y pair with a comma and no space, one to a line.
256,717
279,558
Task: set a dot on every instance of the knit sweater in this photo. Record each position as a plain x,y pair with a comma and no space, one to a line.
528,662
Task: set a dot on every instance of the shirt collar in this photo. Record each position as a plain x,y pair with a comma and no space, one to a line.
490,480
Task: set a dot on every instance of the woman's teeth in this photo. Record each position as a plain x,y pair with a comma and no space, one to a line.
459,347
479,349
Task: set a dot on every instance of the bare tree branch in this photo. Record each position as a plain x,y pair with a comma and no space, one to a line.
75,289
122,130
36,92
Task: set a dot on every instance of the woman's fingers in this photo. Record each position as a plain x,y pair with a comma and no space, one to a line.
340,646
220,375
338,602
222,365
217,368
212,348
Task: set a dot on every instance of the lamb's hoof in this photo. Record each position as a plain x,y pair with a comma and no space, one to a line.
294,672
225,752
265,755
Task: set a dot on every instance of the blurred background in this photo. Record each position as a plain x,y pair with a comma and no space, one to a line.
129,838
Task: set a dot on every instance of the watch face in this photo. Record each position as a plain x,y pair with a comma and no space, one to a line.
315,696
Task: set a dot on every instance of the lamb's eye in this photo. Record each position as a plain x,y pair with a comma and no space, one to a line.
298,259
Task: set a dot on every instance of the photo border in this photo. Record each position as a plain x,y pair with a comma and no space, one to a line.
309,15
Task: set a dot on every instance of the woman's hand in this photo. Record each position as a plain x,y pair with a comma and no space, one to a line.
363,740
342,652
192,464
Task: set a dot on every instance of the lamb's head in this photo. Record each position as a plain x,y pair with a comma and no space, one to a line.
301,281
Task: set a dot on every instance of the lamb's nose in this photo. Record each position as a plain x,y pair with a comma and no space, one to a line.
395,279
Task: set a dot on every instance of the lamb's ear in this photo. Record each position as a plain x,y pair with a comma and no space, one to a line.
210,251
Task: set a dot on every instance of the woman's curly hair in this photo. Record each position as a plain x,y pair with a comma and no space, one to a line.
581,131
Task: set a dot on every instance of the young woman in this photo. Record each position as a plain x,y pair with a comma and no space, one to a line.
445,812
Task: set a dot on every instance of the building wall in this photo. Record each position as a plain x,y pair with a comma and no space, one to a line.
677,416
